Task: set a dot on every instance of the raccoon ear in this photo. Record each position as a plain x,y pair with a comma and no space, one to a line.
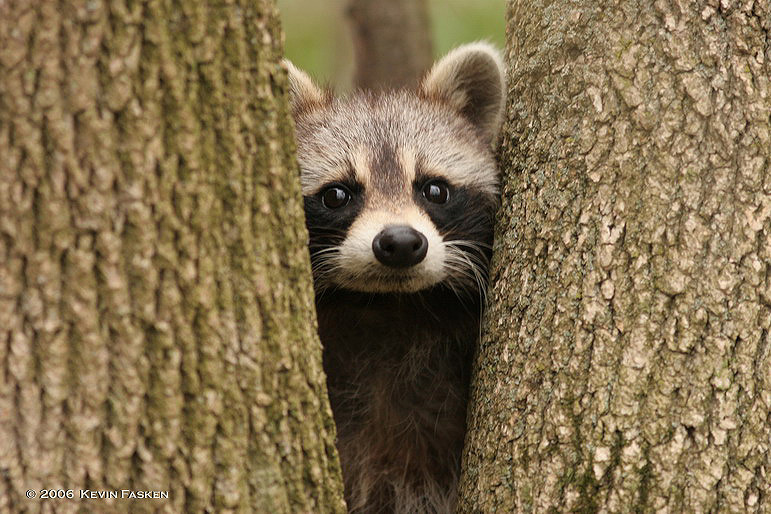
471,79
303,93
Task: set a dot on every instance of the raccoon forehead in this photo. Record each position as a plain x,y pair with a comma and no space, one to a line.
348,140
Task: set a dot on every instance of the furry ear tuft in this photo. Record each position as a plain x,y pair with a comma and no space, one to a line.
303,92
471,79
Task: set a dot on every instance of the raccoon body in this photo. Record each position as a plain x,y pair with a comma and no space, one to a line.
400,191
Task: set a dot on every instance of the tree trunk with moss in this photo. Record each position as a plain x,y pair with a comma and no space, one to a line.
156,310
392,42
626,357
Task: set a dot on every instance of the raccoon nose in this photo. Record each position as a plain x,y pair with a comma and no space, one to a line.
400,246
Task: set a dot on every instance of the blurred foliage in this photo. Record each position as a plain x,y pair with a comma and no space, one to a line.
318,37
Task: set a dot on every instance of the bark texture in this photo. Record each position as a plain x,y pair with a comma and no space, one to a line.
626,357
392,42
156,309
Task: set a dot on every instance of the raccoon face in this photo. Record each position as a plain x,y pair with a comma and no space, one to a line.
400,188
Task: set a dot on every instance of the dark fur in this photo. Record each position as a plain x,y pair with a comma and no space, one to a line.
398,370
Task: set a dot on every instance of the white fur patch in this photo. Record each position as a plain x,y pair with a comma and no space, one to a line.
359,269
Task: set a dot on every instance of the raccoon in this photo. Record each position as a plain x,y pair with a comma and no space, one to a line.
400,192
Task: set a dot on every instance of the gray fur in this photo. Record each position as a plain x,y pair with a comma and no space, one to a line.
447,142
470,79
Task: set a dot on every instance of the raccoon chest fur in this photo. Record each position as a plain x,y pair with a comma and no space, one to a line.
400,191
398,369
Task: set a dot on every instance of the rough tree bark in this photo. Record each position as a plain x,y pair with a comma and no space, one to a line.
156,310
392,42
626,361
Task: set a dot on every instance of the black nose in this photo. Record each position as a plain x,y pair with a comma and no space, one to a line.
400,246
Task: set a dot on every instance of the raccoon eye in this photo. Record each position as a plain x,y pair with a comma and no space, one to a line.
436,191
335,197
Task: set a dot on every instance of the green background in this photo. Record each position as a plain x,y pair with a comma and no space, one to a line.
318,37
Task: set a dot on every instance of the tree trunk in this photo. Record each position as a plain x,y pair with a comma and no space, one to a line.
392,42
156,310
625,363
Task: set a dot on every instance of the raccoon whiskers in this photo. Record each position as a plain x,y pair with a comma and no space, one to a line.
469,263
427,306
467,258
458,280
324,250
323,264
